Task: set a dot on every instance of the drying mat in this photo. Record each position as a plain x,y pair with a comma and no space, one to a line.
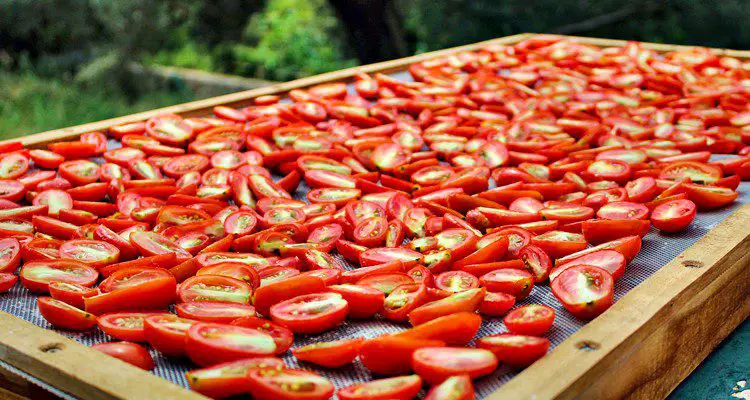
657,250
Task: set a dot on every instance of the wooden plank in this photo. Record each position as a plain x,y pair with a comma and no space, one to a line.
653,337
76,369
244,98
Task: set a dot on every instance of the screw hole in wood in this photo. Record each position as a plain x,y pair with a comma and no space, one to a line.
52,347
587,345
692,264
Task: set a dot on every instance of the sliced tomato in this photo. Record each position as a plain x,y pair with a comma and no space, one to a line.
215,288
458,387
436,364
516,350
330,354
391,355
288,384
63,315
211,311
131,353
396,388
468,301
209,343
229,379
313,313
364,301
403,300
673,216
125,326
584,290
37,275
532,319
515,282
282,336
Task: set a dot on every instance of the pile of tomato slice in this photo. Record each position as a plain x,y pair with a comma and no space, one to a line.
453,195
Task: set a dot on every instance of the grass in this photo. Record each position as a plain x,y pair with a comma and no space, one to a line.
30,104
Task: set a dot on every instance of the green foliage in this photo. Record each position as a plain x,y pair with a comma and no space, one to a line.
440,24
30,104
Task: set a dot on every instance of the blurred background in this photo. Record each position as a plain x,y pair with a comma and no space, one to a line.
66,62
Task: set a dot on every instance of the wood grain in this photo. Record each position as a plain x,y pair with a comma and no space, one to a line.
653,337
77,369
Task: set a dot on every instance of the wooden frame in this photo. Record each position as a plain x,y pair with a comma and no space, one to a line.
642,347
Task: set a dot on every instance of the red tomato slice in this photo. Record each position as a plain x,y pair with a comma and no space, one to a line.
282,336
131,353
166,333
608,260
125,326
518,351
63,315
403,300
623,210
515,282
584,290
37,275
468,300
210,311
673,216
10,254
91,252
696,172
391,355
532,319
229,379
396,388
209,343
288,384
214,288
152,244
436,364
364,301
313,313
330,354
457,387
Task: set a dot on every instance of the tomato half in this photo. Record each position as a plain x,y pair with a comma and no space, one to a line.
584,290
131,353
214,288
209,343
211,311
532,319
229,379
166,333
397,388
518,351
313,313
125,326
288,384
674,215
330,354
37,275
436,364
63,315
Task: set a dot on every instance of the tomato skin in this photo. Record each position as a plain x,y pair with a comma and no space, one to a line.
330,354
211,311
397,388
10,254
7,281
128,326
532,319
436,364
673,216
391,355
263,385
292,313
209,343
457,387
609,260
496,304
364,301
131,353
276,292
60,270
166,333
282,336
230,378
584,290
455,329
468,301
214,288
515,282
515,350
154,294
63,315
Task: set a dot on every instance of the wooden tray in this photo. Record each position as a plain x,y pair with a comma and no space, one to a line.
642,347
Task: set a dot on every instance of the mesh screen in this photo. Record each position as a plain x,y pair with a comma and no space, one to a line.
658,249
